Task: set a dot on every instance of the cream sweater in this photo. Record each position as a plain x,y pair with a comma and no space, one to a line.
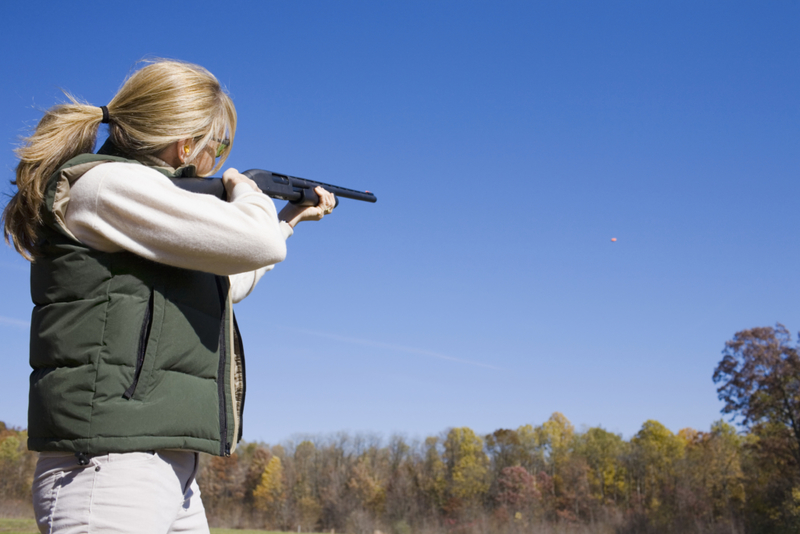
125,206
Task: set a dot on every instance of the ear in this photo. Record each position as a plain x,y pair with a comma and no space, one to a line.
183,148
174,154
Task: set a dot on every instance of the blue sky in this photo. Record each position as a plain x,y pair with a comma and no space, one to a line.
507,143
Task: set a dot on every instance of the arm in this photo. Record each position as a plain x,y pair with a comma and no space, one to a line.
121,206
243,284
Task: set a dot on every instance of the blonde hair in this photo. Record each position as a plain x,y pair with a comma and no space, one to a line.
163,102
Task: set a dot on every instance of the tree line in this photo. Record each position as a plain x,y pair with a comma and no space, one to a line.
548,477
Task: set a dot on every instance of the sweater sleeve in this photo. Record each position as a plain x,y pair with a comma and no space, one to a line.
125,206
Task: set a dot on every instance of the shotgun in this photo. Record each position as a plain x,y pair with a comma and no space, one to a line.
281,186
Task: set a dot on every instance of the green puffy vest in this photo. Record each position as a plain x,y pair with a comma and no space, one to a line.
127,354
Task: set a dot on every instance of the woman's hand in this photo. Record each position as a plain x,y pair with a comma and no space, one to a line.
293,214
231,178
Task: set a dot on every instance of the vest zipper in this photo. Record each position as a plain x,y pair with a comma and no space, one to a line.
224,444
144,334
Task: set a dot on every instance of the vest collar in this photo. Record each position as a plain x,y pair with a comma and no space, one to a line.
184,171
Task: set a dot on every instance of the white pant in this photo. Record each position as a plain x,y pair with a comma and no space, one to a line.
135,492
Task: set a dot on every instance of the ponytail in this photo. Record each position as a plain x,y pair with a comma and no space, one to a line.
64,132
163,102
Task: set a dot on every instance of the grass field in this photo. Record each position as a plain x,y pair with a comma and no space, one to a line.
28,526
18,526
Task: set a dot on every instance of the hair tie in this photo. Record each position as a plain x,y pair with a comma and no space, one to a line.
105,115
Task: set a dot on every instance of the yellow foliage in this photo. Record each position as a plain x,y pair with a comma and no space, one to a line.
688,435
467,464
793,503
270,489
10,449
433,477
558,432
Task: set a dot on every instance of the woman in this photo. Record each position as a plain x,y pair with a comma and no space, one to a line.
137,361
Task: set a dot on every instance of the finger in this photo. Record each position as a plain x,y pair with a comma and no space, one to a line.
326,206
254,184
230,175
327,199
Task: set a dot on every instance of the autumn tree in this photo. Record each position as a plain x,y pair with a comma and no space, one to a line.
402,501
531,447
653,461
556,437
712,480
17,465
366,485
269,490
259,456
505,449
467,467
517,491
221,481
760,383
603,452
305,489
431,475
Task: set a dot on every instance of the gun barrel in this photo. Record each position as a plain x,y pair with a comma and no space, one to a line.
295,188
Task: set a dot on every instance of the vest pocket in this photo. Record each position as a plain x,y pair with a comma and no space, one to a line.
148,345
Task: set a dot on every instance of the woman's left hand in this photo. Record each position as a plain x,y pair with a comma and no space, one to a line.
231,178
293,214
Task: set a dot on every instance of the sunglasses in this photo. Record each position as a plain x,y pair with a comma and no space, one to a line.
223,144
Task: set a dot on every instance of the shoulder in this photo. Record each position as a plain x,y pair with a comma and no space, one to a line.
122,186
121,176
125,169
